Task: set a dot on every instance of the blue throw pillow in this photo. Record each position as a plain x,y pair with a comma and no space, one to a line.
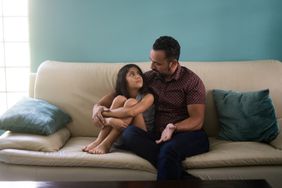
34,116
1,132
246,116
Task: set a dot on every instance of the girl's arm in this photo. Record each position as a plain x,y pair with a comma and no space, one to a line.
132,111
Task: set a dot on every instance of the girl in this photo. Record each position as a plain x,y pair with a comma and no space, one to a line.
133,104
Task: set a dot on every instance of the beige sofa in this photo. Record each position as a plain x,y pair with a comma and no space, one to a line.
75,87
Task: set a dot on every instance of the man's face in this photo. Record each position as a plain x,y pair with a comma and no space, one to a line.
159,63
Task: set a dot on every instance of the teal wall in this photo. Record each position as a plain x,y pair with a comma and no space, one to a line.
124,30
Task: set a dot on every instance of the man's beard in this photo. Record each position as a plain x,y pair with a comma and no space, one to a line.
162,75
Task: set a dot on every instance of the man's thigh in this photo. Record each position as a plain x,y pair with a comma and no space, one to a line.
187,143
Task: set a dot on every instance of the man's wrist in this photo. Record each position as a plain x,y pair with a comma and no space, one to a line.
171,126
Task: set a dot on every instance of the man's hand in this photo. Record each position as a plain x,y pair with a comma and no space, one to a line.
97,116
167,133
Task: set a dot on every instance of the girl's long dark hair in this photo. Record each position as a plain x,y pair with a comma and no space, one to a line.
121,83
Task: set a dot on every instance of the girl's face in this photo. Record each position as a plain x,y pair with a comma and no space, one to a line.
134,78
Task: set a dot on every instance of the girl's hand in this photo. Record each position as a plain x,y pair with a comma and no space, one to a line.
97,116
167,133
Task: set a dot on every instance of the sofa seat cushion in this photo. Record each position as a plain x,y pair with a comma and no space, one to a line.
221,154
72,155
227,154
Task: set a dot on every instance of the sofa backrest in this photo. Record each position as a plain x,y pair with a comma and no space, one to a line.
76,87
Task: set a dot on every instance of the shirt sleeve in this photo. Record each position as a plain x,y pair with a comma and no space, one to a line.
196,93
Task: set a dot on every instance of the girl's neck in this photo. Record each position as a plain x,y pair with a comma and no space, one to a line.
133,93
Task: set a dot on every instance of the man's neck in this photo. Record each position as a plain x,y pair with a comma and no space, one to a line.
173,72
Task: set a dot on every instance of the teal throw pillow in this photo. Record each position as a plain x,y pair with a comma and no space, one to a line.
246,116
34,116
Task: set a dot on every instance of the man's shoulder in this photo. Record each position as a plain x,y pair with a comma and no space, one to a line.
190,78
188,73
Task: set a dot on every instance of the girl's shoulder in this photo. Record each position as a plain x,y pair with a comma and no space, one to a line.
141,96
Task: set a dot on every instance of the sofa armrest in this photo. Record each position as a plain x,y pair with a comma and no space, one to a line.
277,142
32,78
53,142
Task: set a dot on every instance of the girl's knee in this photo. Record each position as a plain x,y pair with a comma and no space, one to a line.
130,102
120,99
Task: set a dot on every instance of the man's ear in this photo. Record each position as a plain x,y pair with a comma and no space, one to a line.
173,64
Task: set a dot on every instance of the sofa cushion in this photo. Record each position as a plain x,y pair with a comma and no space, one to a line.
222,154
34,116
277,142
233,154
53,142
246,116
72,155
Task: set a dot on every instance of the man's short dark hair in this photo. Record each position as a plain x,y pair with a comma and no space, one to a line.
169,45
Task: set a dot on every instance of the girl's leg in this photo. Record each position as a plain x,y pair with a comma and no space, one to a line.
117,102
105,145
138,121
101,136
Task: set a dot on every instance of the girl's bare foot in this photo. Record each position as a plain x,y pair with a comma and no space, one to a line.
92,145
100,149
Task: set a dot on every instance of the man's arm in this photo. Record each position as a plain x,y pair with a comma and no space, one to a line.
196,119
194,122
106,100
99,107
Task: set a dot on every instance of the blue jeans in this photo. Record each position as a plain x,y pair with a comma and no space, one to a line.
167,157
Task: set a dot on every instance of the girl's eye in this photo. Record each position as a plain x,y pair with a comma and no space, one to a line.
134,74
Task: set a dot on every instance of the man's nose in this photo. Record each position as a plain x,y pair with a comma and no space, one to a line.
152,66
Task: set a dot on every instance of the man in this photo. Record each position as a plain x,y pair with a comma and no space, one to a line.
180,107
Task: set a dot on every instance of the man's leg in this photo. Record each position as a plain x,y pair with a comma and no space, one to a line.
141,143
174,151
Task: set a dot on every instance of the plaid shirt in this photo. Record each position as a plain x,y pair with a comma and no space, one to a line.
173,96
